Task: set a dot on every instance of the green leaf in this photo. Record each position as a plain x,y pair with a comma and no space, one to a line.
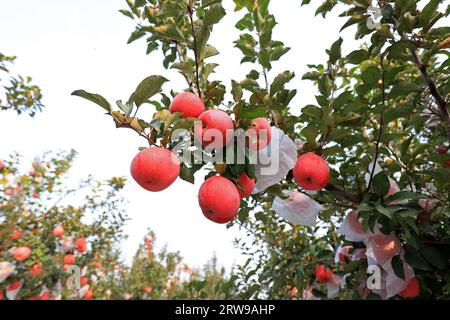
312,111
405,195
147,89
433,256
413,257
186,174
170,31
371,75
428,12
380,184
397,266
310,133
353,19
126,13
280,81
236,91
251,112
357,56
403,88
93,97
335,51
212,16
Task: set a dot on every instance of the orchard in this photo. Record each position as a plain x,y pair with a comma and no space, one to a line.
348,198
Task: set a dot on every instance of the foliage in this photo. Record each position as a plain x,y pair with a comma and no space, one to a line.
384,103
20,94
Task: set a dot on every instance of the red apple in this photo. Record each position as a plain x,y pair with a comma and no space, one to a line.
35,195
45,295
219,199
84,280
148,290
58,231
188,103
155,169
323,274
214,128
2,166
247,185
88,295
17,234
69,259
35,270
259,134
22,253
441,149
81,245
412,290
311,172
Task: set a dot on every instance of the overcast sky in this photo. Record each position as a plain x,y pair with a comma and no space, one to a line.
81,44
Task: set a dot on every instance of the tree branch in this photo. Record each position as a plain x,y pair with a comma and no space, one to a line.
341,192
197,81
440,101
380,132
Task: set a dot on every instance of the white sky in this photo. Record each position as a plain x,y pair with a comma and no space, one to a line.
81,44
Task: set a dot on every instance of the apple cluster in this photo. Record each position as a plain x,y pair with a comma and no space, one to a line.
156,168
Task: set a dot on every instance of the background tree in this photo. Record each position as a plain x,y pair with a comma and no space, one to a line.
20,95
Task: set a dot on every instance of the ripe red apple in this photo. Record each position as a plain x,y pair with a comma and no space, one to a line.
45,295
69,259
259,134
188,103
247,185
22,253
88,295
17,234
412,290
35,195
148,290
214,128
155,169
35,270
2,166
311,172
84,280
81,245
323,274
219,199
58,231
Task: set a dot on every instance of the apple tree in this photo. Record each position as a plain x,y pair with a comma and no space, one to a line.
357,206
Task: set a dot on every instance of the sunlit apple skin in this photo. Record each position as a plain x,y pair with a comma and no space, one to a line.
412,290
81,245
214,121
189,104
69,259
88,295
155,169
219,199
247,185
311,172
22,253
58,231
259,134
35,270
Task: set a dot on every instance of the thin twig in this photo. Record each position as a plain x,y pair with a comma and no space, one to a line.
380,132
440,101
197,80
